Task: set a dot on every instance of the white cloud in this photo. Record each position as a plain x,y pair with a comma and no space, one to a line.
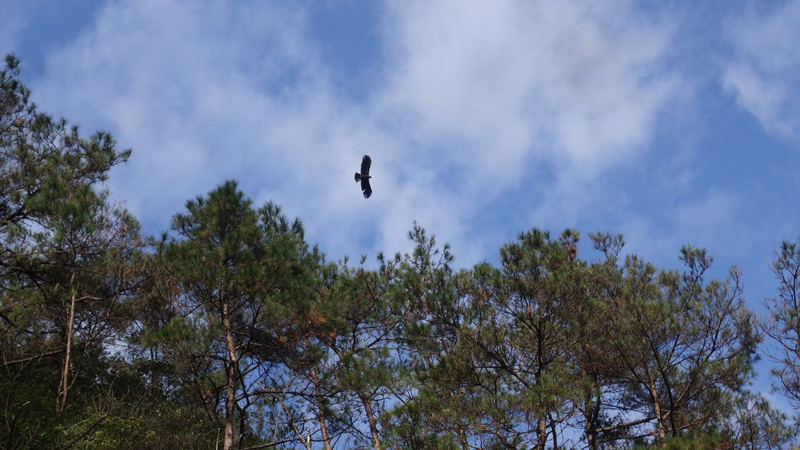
763,71
513,83
16,15
475,96
196,89
208,92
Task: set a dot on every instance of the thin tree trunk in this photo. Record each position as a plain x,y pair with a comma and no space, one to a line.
590,418
662,435
541,429
306,442
373,424
541,426
462,435
64,385
205,398
554,431
326,443
591,437
671,404
233,381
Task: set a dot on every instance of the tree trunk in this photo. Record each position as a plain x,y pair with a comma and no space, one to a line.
373,424
662,435
590,415
326,442
206,397
64,384
591,437
233,380
462,435
541,430
541,425
555,432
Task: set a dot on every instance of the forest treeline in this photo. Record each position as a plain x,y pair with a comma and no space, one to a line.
231,331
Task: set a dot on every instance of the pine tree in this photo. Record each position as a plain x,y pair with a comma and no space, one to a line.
241,288
683,346
69,263
783,322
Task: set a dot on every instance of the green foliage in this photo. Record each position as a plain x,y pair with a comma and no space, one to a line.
241,290
710,441
157,425
232,331
783,322
68,266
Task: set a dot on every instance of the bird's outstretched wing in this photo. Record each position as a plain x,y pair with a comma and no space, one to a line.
366,187
364,177
365,163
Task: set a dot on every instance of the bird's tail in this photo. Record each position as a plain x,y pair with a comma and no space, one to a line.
358,177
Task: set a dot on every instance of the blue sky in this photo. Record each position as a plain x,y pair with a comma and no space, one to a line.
669,122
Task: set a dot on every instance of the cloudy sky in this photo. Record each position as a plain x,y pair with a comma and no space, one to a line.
668,122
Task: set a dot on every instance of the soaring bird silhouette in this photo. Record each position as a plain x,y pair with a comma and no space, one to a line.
364,177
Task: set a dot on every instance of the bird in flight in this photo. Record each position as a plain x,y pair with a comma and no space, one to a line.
364,177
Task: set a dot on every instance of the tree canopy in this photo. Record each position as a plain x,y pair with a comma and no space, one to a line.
232,331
